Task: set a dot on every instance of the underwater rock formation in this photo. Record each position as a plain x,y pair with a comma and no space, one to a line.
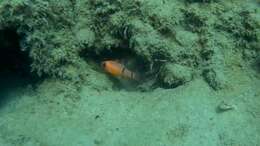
173,75
68,39
202,1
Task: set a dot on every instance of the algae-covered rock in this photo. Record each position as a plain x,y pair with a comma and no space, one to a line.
195,19
60,36
173,75
44,30
187,38
202,1
147,43
85,36
215,78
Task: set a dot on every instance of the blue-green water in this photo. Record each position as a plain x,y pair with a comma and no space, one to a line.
197,62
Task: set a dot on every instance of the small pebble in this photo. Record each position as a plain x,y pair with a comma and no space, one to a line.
224,106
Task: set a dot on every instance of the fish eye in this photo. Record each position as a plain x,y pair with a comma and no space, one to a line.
103,64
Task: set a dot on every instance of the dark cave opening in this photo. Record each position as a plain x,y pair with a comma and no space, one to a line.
125,56
14,63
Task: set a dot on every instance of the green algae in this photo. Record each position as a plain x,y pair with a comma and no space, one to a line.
173,75
55,34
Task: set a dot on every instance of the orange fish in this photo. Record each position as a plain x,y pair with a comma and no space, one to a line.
118,70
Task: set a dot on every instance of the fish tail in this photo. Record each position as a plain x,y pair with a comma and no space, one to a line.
129,74
136,77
